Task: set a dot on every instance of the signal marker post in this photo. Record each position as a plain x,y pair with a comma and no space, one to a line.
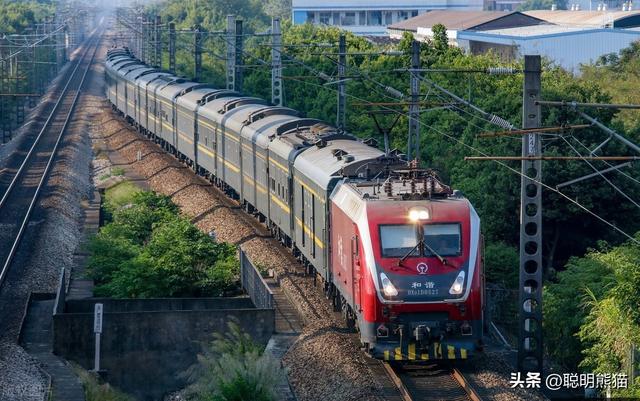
530,297
97,329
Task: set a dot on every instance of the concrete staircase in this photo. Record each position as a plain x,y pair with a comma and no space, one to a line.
37,336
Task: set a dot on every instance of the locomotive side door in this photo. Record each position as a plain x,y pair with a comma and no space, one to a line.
355,271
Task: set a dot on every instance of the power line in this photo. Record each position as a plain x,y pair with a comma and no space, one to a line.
491,118
472,148
621,192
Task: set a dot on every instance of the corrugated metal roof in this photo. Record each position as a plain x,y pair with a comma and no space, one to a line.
524,31
453,20
582,18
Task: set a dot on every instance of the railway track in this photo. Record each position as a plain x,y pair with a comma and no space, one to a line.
28,175
433,382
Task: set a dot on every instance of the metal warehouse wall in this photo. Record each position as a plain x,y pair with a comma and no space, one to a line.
567,50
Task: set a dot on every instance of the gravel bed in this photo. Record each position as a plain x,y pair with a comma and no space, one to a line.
47,247
490,373
325,362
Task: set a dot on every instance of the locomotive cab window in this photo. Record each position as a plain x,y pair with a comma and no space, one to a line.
444,239
398,239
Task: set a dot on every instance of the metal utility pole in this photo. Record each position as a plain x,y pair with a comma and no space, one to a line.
414,112
197,53
4,107
143,40
158,42
530,294
172,47
276,62
18,78
341,118
231,54
239,56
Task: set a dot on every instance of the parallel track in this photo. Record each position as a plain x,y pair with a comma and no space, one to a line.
21,195
431,383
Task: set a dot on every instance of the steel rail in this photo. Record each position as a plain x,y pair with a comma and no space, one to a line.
94,41
42,131
406,394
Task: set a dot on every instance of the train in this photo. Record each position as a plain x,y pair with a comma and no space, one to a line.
397,251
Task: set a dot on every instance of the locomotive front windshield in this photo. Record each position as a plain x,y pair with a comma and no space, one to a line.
397,241
444,239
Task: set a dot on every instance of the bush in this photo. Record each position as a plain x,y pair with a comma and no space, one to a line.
234,368
502,264
565,304
612,326
148,250
96,391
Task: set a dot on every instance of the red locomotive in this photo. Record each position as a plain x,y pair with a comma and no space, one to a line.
407,261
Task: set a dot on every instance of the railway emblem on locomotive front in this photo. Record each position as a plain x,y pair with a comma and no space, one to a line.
422,268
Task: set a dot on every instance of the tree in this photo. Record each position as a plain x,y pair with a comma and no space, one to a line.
440,37
148,250
278,8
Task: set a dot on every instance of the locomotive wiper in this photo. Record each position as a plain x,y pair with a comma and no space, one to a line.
409,253
421,244
440,258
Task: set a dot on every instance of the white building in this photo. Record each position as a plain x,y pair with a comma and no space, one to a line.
565,46
370,17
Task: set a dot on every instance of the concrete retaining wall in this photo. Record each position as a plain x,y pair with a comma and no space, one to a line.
148,344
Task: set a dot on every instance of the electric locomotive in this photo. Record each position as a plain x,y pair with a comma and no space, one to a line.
397,251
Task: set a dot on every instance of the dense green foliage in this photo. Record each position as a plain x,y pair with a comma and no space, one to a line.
592,312
621,72
148,250
16,16
565,301
234,368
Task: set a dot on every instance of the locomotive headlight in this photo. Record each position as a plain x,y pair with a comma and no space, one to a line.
387,286
458,284
418,213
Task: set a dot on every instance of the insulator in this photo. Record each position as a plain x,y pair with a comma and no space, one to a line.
388,188
324,76
394,92
500,70
500,122
413,186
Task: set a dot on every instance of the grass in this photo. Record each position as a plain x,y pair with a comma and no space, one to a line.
116,171
94,390
121,193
